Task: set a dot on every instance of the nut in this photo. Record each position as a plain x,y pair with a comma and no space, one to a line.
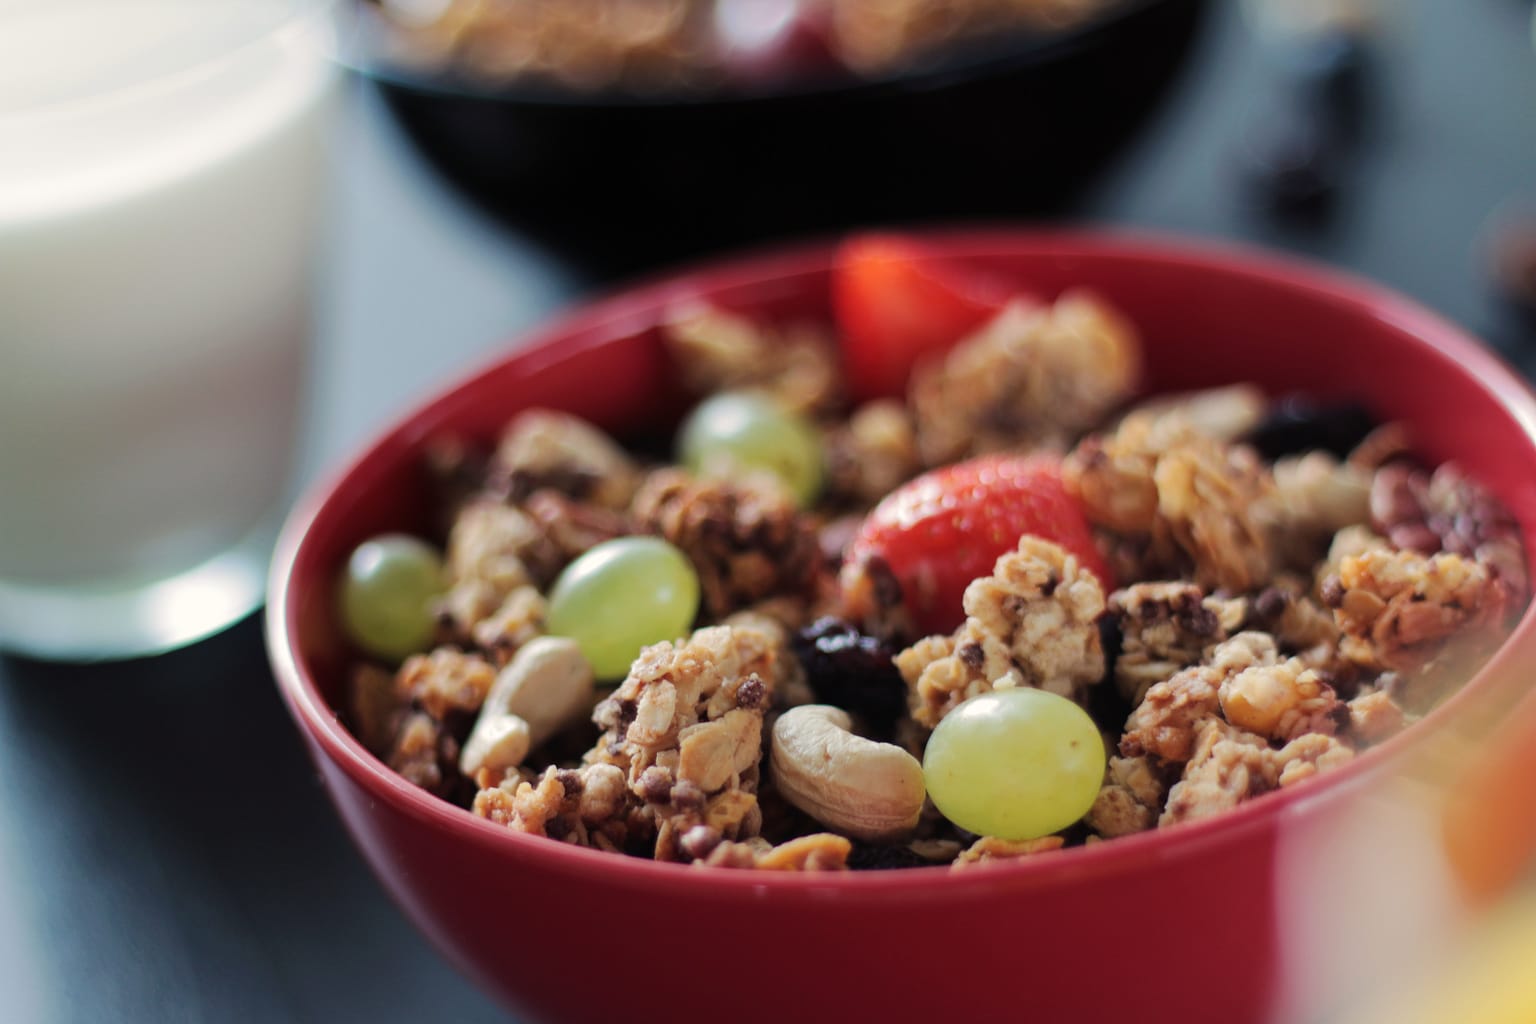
498,742
548,684
545,687
1225,413
543,448
856,786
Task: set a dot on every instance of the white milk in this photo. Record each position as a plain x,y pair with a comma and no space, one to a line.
161,177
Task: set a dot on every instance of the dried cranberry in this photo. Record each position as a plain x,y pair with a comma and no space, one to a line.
853,671
1298,425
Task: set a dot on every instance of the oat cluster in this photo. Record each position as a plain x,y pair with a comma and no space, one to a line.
1033,622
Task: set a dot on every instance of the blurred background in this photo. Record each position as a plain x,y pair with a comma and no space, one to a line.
165,851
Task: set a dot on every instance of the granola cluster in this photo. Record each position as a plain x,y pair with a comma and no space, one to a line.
1398,608
877,37
715,350
871,454
1033,377
676,765
1033,622
1165,627
1447,511
554,487
1244,721
1173,501
551,451
1263,619
576,44
415,719
748,544
649,46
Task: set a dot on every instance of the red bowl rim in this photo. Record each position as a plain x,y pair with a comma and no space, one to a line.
330,736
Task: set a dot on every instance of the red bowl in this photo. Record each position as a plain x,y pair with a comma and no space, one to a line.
1230,919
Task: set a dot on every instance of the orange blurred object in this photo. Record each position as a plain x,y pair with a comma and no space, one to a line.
1490,813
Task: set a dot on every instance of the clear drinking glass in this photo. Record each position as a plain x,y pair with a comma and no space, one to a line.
162,164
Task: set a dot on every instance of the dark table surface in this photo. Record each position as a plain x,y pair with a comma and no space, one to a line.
166,853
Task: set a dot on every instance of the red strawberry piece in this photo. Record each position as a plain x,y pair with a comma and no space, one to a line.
944,529
896,303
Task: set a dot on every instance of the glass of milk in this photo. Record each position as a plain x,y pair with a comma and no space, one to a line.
162,168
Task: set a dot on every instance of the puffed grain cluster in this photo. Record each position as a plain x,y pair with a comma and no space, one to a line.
746,544
871,454
1400,609
1032,377
583,45
1245,721
1175,502
677,762
1165,627
715,350
415,718
555,487
1033,622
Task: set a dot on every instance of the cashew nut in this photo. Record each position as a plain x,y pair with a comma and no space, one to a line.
1225,413
856,786
498,741
546,686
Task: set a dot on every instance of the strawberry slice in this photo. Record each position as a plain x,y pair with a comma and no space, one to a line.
944,529
895,303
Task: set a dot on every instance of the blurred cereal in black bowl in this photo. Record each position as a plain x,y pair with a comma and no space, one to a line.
633,132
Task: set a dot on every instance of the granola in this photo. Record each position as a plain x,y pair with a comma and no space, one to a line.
1184,499
686,728
519,619
493,549
671,46
1225,767
1448,511
870,455
820,851
1032,377
1399,609
1258,622
991,850
1166,724
1032,623
1165,627
543,450
720,351
574,527
1130,799
747,545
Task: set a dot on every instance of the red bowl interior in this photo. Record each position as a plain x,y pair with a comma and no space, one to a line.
1208,316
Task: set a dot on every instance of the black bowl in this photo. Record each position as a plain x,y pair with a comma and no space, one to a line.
624,182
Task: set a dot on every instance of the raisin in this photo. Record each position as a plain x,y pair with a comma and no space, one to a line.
871,857
1300,425
853,671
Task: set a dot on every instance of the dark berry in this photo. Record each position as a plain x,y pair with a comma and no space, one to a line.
853,671
870,857
1297,425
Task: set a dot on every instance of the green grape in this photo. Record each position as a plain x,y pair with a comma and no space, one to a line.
387,594
623,595
1017,763
738,431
